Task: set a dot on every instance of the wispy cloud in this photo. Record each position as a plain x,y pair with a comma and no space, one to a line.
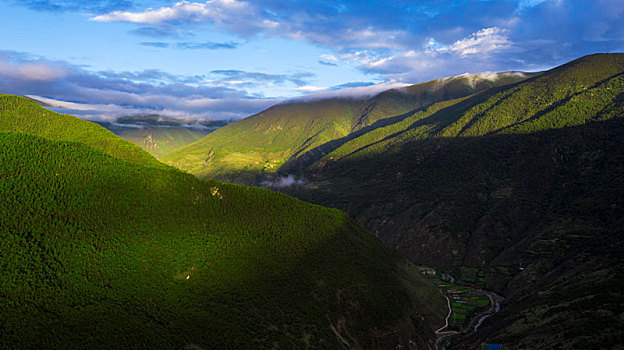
247,18
155,32
484,41
473,54
350,90
233,15
331,58
158,44
299,79
310,88
35,72
208,45
190,45
97,6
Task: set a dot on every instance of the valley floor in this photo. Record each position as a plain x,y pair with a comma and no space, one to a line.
469,307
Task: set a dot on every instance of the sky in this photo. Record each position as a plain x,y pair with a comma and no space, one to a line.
227,59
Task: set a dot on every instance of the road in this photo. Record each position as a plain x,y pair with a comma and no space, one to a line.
495,301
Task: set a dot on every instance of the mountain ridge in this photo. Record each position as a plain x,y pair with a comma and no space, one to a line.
513,188
265,141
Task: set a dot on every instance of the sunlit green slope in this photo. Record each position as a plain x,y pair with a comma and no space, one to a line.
588,89
263,142
20,114
98,252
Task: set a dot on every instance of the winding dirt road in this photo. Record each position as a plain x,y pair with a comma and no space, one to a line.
495,301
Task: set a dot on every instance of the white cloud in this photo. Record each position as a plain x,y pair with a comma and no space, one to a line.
182,11
473,79
180,108
310,88
353,92
484,41
435,59
330,58
247,18
237,16
342,38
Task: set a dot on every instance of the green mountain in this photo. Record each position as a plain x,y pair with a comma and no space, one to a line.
517,189
264,142
101,252
161,135
20,114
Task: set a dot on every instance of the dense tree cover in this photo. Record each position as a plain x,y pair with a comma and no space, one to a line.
519,183
588,89
98,252
19,114
522,183
265,141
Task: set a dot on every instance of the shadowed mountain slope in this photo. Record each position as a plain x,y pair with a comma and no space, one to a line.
518,189
98,252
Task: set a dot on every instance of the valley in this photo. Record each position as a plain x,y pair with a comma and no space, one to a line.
312,175
514,188
471,210
109,249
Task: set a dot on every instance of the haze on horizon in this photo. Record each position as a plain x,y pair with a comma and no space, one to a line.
226,59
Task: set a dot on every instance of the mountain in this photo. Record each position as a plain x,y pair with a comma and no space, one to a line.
517,188
101,252
160,135
262,143
20,114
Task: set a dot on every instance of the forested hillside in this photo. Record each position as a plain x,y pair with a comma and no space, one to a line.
517,189
98,252
20,114
585,90
262,143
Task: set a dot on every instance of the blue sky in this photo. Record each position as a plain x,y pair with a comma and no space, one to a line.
223,59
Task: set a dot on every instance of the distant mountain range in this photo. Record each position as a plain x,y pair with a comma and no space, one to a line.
513,182
160,135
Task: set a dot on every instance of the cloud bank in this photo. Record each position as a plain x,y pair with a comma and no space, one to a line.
108,95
